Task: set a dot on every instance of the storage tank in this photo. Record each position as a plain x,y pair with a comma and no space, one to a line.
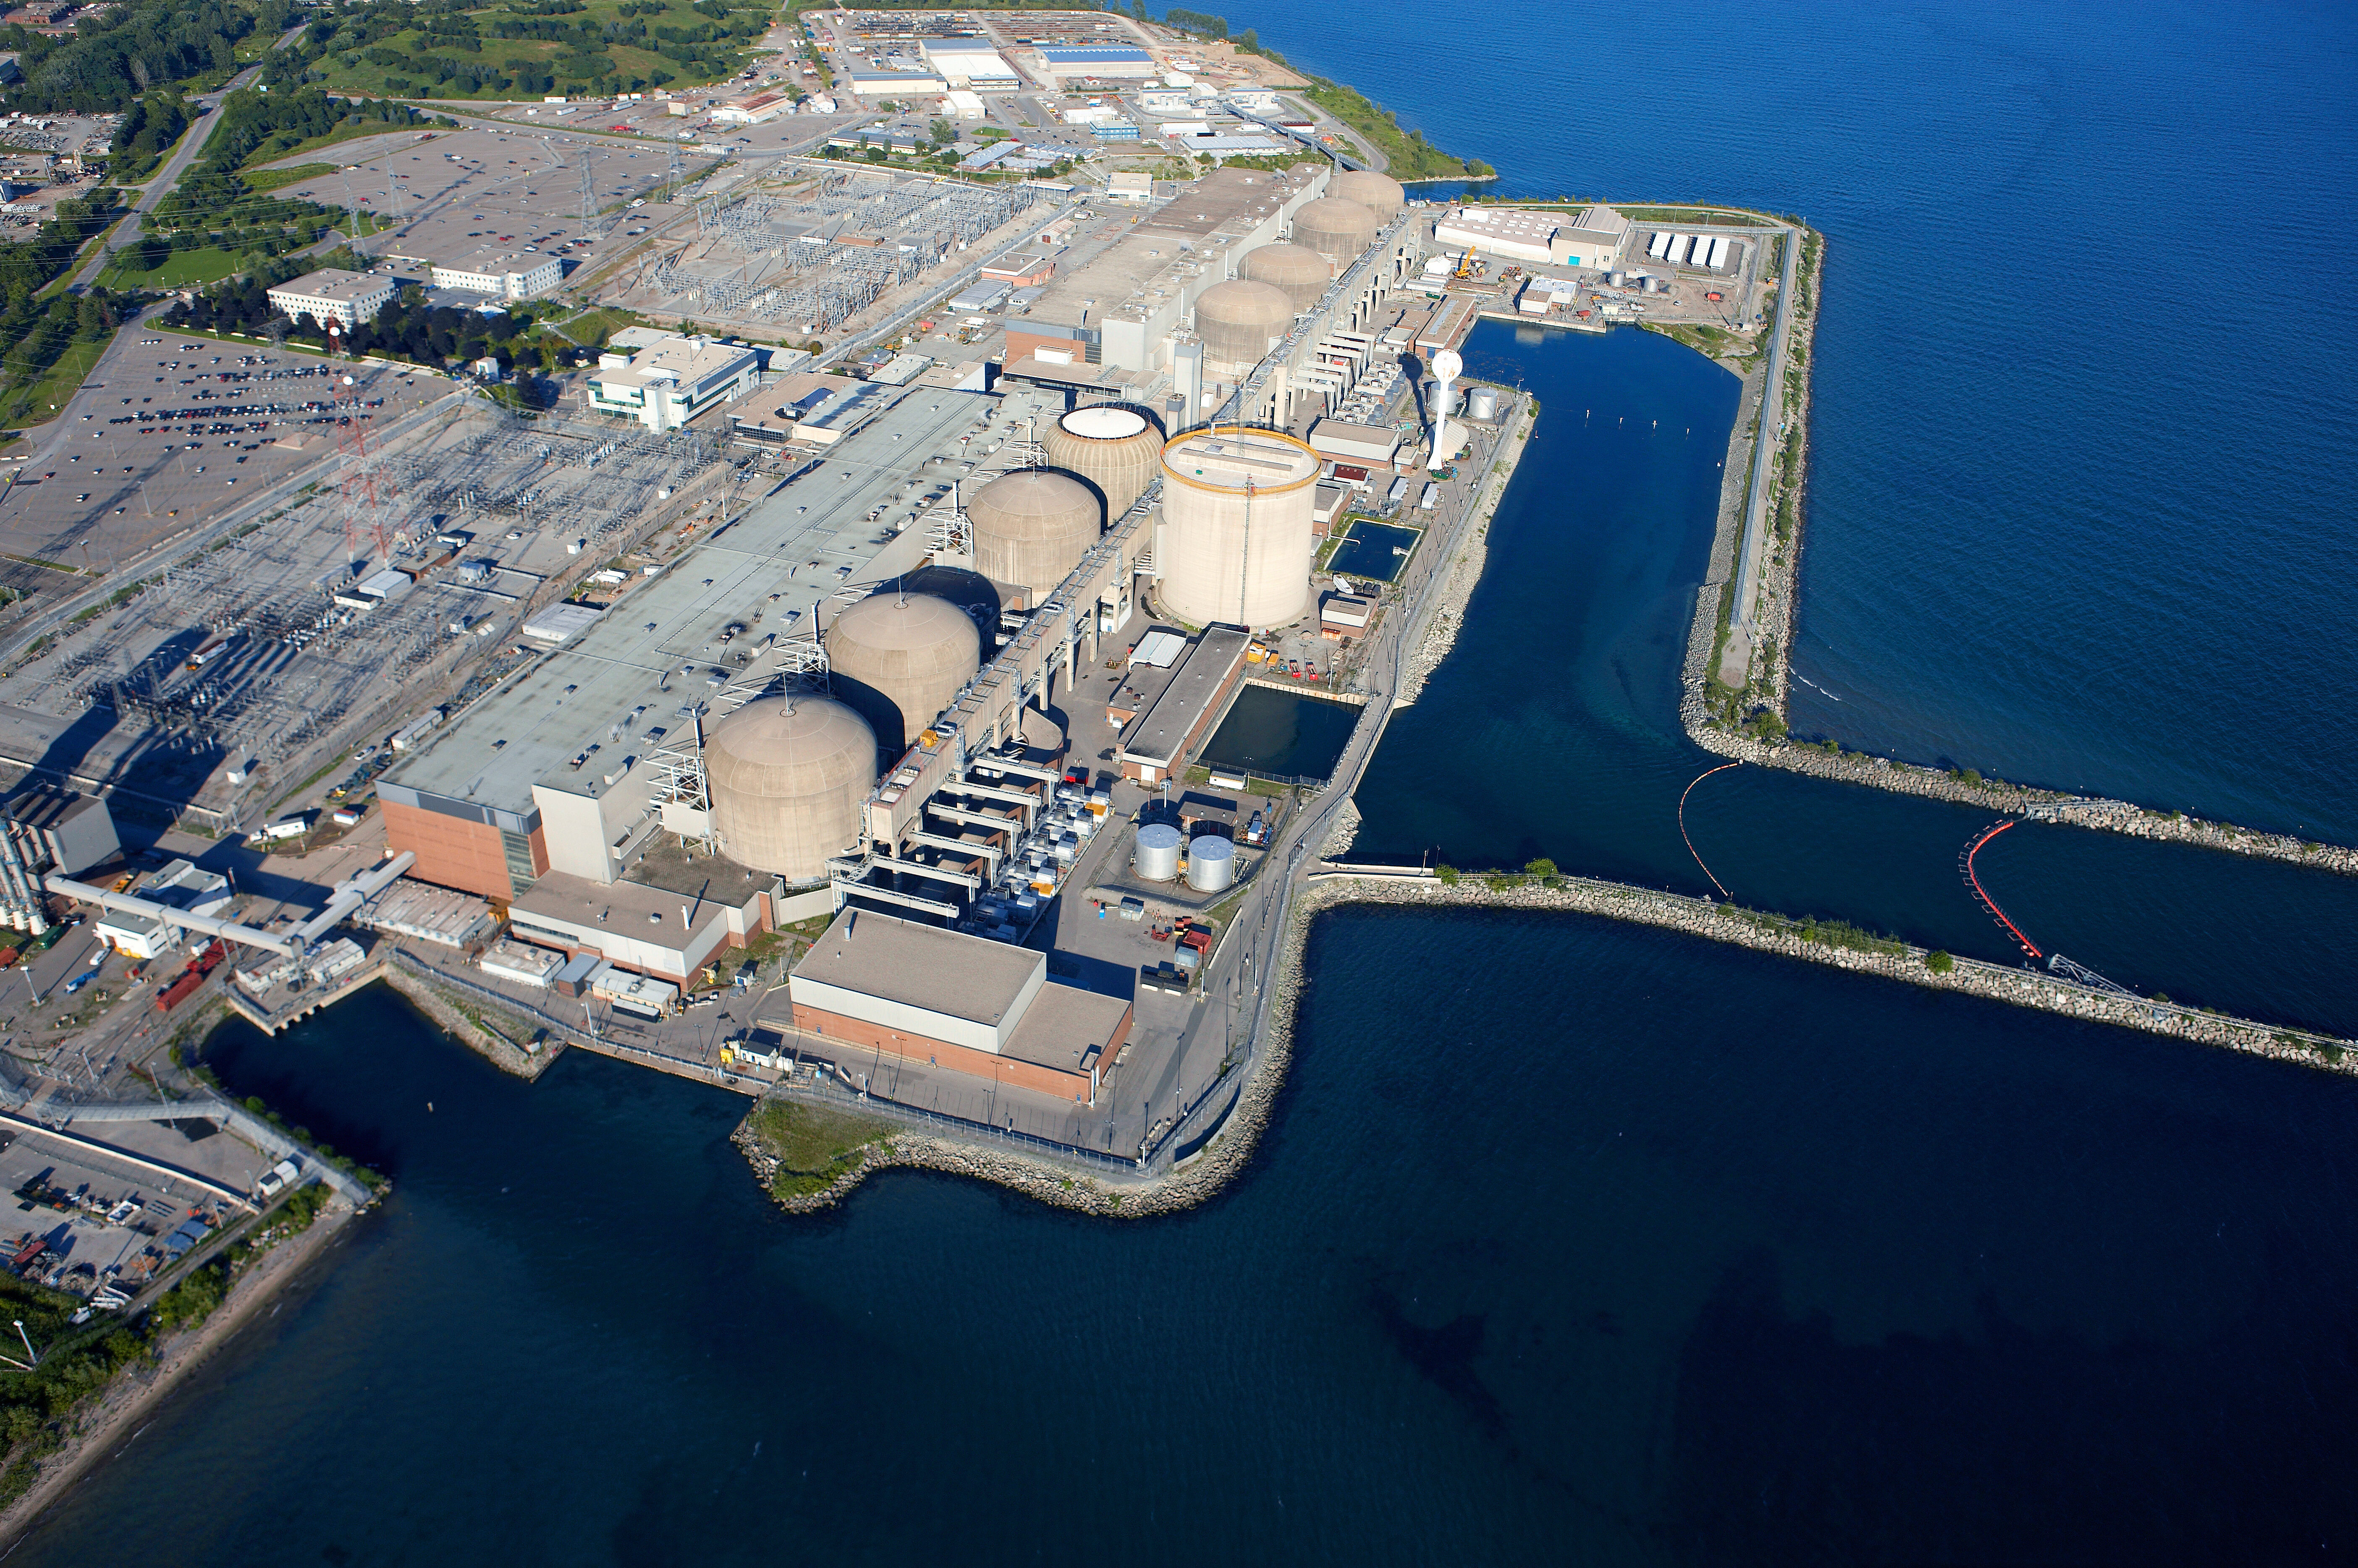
1300,271
1339,231
1211,864
898,658
1482,402
789,776
1030,527
1237,541
1157,854
1379,193
1112,447
1240,320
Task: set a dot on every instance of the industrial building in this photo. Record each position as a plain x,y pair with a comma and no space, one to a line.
1237,541
883,985
1095,63
974,62
671,381
502,274
332,294
1594,239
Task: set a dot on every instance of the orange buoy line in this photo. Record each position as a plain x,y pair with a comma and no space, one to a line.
1682,820
1982,893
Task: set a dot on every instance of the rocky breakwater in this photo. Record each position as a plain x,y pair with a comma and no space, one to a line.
1833,944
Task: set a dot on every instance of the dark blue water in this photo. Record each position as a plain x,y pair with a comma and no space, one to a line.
1684,1256
1569,1242
1284,734
2083,441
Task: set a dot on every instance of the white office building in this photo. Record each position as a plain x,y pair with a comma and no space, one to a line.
502,274
332,294
671,381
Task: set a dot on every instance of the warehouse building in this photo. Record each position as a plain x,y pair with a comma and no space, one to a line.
963,62
332,294
890,987
1594,239
1096,63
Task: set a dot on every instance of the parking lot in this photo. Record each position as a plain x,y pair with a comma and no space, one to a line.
176,428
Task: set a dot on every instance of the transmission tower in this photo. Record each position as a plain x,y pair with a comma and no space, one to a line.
368,488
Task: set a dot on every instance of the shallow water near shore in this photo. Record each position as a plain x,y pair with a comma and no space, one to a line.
1569,1241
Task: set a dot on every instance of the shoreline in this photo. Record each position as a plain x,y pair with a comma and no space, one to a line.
1769,687
99,1431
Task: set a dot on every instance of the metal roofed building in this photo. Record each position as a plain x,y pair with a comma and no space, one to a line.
333,294
962,61
896,83
1099,63
494,799
880,984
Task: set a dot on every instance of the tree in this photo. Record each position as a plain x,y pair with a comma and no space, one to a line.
1543,868
1447,875
1939,962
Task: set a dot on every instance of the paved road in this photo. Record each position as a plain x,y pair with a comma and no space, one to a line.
1743,624
192,142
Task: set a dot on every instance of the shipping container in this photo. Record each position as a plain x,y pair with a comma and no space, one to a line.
176,993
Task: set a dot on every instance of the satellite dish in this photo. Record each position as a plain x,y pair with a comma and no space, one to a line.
1447,366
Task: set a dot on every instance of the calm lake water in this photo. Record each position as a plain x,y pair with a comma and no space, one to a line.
1633,1249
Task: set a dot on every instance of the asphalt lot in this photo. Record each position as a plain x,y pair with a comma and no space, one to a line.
175,428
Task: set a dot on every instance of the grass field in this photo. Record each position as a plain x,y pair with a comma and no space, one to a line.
267,179
815,1146
634,65
21,405
181,269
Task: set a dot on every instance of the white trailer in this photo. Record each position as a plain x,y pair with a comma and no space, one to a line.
1718,252
1657,247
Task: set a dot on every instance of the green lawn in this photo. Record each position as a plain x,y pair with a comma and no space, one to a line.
21,405
265,179
635,60
180,270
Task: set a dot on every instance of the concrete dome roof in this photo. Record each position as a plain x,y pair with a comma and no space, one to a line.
1243,303
1300,271
892,623
1104,422
1334,228
1379,193
1035,504
789,749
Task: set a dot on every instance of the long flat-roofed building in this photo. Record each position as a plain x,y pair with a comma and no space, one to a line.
883,985
502,274
332,294
1105,62
557,771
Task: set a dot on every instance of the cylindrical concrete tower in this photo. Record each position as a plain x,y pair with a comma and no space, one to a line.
788,777
1301,272
1030,527
1379,193
1112,446
898,658
1339,231
1240,320
1235,542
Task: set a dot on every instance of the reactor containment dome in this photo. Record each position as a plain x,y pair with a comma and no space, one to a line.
1240,320
1113,447
899,658
1379,193
1030,527
1237,536
789,777
1339,231
1300,271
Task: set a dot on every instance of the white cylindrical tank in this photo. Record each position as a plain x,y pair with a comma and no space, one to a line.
1482,402
1300,271
1237,538
1211,864
1157,854
1030,527
1110,446
788,778
898,658
1240,320
1337,230
1379,193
